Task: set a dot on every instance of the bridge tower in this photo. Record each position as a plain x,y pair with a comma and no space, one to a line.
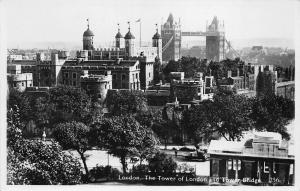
171,39
215,40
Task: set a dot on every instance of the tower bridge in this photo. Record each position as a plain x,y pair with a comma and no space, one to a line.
216,43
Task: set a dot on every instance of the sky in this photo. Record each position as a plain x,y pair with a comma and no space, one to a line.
65,20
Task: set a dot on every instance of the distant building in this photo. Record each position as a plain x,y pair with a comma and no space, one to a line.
215,41
188,90
130,67
242,82
262,159
257,48
171,39
285,89
265,83
18,79
15,57
125,73
176,76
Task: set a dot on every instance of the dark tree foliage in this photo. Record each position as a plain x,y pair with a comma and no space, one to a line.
273,113
124,137
220,69
234,112
70,103
228,115
14,127
160,163
22,101
191,65
172,66
126,102
35,161
188,65
43,112
74,135
201,121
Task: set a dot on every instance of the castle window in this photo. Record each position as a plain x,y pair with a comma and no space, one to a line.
123,77
149,74
74,75
136,75
66,75
105,86
114,76
74,83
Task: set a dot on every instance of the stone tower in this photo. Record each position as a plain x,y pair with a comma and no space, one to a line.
118,38
129,43
215,41
157,42
171,39
88,38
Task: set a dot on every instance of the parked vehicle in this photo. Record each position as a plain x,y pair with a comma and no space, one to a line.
186,149
197,155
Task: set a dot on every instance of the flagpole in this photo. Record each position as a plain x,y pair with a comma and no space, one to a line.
140,33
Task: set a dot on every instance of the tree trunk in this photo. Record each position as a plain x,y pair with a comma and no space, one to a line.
166,144
84,163
141,160
124,165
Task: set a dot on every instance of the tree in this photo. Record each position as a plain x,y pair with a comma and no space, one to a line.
228,115
22,101
123,136
70,104
74,135
172,66
36,161
43,112
148,145
14,127
126,102
234,113
273,113
199,122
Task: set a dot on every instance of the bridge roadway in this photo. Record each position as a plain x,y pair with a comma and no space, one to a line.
200,33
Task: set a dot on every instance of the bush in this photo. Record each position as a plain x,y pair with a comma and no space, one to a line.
104,172
40,163
161,163
100,172
140,169
115,174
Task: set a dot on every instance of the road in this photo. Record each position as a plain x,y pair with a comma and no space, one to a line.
101,157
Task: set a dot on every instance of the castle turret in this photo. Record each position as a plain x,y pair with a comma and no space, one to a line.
157,42
129,43
118,38
88,38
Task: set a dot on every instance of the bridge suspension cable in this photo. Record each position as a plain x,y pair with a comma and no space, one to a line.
231,48
167,45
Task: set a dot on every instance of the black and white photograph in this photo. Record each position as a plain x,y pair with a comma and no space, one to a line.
149,93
